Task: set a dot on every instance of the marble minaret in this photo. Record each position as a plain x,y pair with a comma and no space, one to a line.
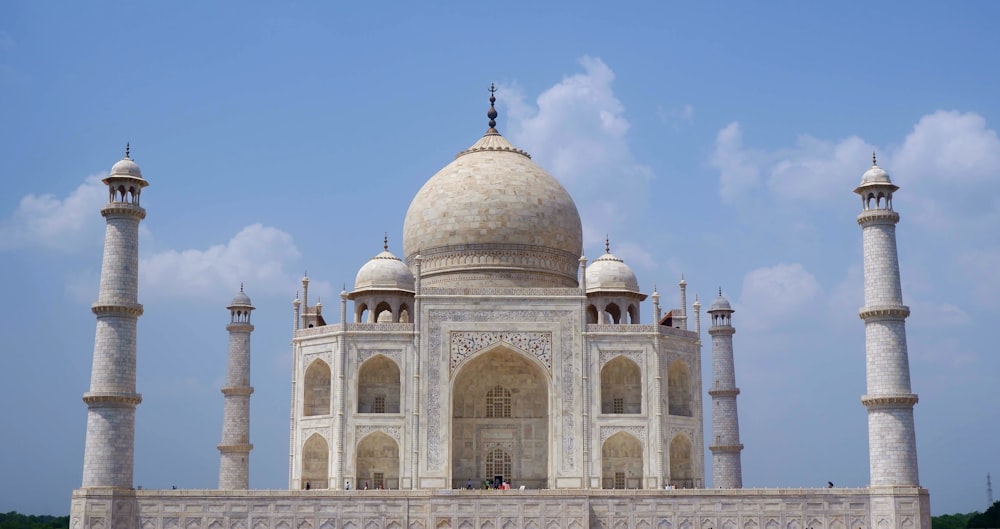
892,445
727,470
234,450
109,455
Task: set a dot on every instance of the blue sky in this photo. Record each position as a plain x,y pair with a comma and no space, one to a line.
721,141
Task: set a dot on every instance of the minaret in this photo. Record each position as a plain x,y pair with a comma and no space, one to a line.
683,317
892,446
234,450
727,470
109,455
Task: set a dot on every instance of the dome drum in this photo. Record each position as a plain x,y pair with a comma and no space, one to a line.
488,265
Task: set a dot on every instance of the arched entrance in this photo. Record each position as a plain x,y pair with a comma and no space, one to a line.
621,462
500,402
681,466
315,463
377,462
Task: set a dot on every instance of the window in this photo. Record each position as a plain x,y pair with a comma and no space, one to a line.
378,480
498,464
379,405
498,402
619,480
619,405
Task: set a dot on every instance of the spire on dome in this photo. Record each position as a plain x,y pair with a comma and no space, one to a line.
127,148
607,244
385,242
492,114
874,163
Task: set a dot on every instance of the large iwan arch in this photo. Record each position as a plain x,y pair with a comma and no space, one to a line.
621,386
500,405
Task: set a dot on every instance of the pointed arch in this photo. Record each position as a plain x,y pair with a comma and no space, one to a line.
377,461
681,464
316,389
621,462
621,386
612,313
383,313
378,386
315,463
404,313
592,316
679,390
633,314
361,313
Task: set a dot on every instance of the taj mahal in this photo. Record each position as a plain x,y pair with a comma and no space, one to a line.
491,376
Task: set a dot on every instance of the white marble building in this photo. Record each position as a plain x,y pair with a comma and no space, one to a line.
492,351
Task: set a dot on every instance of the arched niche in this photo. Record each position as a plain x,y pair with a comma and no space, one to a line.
500,400
621,386
315,463
316,389
592,315
681,465
679,391
377,462
378,386
621,462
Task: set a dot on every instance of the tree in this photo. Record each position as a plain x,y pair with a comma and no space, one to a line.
990,518
15,520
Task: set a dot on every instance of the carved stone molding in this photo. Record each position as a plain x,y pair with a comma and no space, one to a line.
639,432
392,431
465,344
395,355
323,431
635,356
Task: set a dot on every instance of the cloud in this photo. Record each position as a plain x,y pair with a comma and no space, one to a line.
577,130
775,295
739,172
259,256
65,225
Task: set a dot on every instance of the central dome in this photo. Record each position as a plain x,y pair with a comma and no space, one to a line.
492,217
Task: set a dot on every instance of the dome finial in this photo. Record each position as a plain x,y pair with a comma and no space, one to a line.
720,292
241,286
492,114
607,243
127,148
874,163
385,242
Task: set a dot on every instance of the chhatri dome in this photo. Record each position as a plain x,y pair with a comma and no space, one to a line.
385,271
609,273
492,217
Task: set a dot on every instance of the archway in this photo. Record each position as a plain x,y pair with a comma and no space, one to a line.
378,386
316,390
377,462
679,389
621,462
621,386
681,466
500,408
315,463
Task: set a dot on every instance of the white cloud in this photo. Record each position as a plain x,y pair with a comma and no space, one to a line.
949,147
577,130
260,256
739,172
773,296
66,225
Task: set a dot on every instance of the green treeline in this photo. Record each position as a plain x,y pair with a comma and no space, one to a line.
973,520
14,520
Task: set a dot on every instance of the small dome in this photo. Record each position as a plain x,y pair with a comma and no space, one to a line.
609,273
126,167
385,271
721,303
875,175
241,299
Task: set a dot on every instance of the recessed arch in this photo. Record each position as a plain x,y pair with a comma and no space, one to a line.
681,465
621,462
612,313
361,313
633,314
378,386
522,427
621,386
404,313
592,316
315,463
316,389
377,462
679,390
